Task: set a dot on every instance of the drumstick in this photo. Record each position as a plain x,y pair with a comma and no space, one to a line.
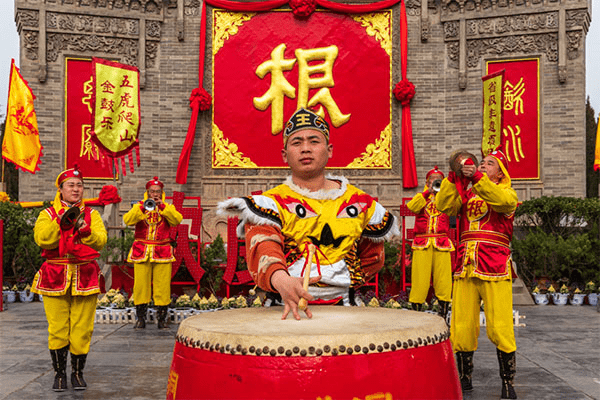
303,304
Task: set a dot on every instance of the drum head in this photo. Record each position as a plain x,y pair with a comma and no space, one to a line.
332,330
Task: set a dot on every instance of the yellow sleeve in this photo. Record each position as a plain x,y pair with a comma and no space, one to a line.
417,203
46,231
97,239
134,215
171,214
501,198
448,200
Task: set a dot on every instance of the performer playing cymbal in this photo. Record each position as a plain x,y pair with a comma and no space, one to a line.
484,268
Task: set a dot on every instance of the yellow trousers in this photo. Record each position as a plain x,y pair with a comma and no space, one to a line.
70,321
152,278
425,263
498,306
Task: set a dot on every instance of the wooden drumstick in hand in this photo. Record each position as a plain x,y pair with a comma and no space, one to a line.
303,303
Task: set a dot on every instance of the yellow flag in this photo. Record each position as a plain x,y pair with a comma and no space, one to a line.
597,156
492,112
116,113
21,144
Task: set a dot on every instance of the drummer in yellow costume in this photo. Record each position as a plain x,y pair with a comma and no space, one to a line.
69,278
346,225
152,252
484,268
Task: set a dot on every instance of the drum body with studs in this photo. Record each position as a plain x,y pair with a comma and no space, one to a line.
341,353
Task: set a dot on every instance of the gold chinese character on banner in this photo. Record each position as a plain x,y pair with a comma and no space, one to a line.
512,144
513,96
310,76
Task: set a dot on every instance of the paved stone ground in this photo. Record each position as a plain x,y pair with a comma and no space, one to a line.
558,358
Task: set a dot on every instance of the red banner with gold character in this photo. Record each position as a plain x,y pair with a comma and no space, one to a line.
521,121
79,147
336,64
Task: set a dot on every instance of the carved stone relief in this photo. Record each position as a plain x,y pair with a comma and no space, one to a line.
28,18
153,29
91,24
451,30
574,43
514,23
452,49
524,44
151,53
57,42
191,7
413,7
30,44
576,18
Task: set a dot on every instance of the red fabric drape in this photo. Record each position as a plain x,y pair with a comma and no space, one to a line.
409,168
408,156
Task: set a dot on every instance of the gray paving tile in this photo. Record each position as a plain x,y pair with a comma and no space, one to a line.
558,358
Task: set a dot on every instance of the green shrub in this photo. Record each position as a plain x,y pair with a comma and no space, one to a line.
22,256
557,237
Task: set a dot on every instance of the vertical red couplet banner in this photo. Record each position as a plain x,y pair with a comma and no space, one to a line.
521,110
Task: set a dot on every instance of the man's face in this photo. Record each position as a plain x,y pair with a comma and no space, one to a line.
307,152
432,178
490,166
71,190
155,192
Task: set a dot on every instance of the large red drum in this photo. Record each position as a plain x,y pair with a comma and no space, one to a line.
359,353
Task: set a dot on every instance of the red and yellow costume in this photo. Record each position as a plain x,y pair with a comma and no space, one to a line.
484,267
151,251
68,280
347,225
431,248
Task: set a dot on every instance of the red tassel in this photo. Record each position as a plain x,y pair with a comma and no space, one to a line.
130,158
123,166
137,155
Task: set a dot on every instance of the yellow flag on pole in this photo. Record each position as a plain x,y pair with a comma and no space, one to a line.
492,112
21,144
597,156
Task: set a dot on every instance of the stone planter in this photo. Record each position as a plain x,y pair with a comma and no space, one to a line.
593,299
577,299
541,298
26,296
11,296
560,299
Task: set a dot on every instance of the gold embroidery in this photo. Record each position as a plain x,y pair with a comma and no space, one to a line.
378,154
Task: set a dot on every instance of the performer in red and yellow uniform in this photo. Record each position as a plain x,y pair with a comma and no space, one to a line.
152,252
431,247
484,270
69,278
347,226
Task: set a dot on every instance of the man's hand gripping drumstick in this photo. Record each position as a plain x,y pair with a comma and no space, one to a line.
294,291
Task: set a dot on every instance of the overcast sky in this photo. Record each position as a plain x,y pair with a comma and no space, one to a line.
9,48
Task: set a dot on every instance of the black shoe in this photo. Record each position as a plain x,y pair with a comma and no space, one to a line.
161,317
464,362
444,306
77,365
508,369
59,363
140,313
417,306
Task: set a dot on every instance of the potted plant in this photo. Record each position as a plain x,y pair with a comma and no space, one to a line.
578,297
561,298
540,295
26,295
11,294
590,290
